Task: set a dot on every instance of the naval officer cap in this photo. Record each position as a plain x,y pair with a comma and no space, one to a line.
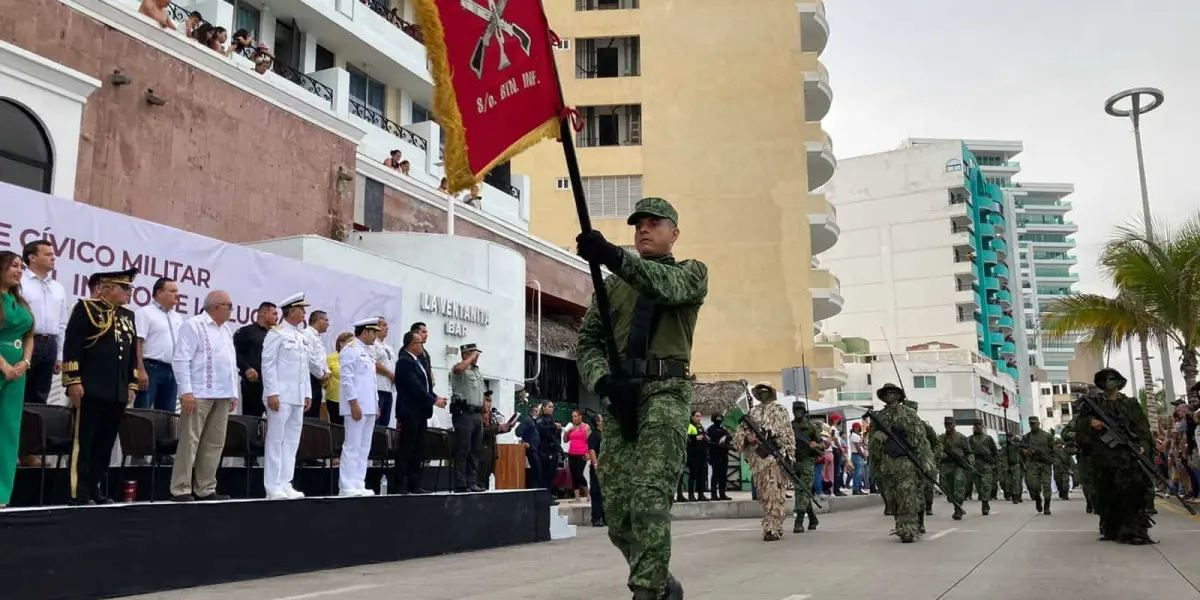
368,323
653,207
124,278
293,301
465,348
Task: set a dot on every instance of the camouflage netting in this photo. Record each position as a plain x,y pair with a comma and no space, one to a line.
716,396
559,337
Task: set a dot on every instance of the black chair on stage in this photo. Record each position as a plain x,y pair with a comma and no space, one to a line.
46,431
321,440
152,433
439,446
383,448
244,439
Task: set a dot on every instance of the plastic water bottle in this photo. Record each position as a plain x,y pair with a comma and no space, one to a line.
383,486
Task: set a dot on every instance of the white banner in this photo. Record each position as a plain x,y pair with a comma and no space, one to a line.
89,239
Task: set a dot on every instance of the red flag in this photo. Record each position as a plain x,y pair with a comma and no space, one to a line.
496,89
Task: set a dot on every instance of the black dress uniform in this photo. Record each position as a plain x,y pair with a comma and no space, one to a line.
99,355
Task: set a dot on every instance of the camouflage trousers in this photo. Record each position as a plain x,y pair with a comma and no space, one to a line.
639,487
1037,479
1083,474
771,484
954,482
904,494
1016,480
985,480
1062,479
805,470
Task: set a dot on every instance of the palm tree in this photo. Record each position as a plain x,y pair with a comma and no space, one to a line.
1158,295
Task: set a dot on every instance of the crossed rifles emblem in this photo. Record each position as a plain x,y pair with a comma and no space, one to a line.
497,28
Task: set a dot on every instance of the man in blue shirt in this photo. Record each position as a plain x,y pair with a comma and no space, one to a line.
528,434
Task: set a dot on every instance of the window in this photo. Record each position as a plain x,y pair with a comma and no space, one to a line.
953,165
612,125
26,159
325,58
608,57
868,379
1049,413
287,45
373,205
562,183
420,114
563,44
367,93
1065,409
924,381
612,197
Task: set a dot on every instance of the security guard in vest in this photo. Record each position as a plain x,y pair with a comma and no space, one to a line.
466,411
100,376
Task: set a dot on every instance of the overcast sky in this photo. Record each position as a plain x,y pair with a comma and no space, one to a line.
1038,72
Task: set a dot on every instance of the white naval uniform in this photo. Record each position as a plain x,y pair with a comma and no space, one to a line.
358,383
317,365
285,362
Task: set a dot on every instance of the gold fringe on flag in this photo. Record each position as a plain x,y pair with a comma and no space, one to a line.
445,106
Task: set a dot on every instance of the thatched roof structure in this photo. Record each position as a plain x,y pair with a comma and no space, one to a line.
716,396
559,336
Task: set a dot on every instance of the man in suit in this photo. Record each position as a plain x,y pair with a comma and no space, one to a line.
414,405
421,332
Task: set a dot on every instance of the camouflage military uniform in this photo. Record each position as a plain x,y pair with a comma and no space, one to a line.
639,474
769,479
1120,485
1012,454
935,450
953,475
987,456
1038,450
898,475
1083,474
803,427
1064,465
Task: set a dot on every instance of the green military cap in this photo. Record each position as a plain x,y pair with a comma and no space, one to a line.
653,207
799,405
1033,419
948,420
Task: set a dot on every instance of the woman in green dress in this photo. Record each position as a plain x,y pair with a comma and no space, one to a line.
16,347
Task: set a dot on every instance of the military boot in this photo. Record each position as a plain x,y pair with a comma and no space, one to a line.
1088,507
1046,506
770,536
798,526
920,523
1037,503
674,591
812,519
987,508
958,512
929,509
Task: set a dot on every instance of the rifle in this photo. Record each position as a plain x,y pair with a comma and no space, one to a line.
766,447
1038,452
960,460
904,449
1116,435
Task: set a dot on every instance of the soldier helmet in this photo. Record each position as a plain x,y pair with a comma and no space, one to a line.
799,406
1103,374
889,387
763,390
978,422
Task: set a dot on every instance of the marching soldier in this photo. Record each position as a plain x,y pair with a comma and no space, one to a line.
808,447
987,456
100,375
1038,450
1064,467
287,393
656,301
769,478
935,447
899,475
953,475
1016,467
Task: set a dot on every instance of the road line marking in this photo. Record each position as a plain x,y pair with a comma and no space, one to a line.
333,592
718,530
941,534
798,597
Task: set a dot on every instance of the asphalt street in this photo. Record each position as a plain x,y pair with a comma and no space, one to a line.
1012,553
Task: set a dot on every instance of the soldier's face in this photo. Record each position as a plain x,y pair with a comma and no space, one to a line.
978,428
1114,383
949,427
654,236
116,294
891,397
1035,426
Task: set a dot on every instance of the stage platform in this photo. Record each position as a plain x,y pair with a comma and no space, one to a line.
76,553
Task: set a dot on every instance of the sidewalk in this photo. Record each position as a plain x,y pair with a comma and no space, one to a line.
740,507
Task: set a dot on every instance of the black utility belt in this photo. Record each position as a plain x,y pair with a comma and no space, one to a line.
462,406
656,368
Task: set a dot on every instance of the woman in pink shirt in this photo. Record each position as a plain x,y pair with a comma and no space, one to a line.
576,436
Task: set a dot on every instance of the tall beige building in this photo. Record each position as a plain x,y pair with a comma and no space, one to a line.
716,106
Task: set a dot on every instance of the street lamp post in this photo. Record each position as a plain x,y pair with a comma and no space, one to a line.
1141,101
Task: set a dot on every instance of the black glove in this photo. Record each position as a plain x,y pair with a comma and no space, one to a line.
623,396
595,249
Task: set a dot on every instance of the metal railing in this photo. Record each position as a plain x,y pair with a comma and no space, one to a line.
373,117
393,16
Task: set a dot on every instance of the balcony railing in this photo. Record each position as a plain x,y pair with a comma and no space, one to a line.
393,17
606,4
373,117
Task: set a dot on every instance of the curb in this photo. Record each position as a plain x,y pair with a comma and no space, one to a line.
581,514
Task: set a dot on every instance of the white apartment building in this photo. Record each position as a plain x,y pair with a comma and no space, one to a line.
944,381
925,256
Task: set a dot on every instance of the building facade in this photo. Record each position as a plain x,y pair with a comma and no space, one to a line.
113,110
741,160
